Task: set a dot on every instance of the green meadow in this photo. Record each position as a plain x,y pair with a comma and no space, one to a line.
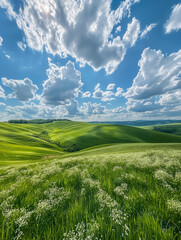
123,183
19,142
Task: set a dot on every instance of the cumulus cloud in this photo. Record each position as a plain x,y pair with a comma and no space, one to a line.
23,90
21,45
63,84
148,29
2,95
9,9
98,93
143,105
7,56
171,99
73,109
132,33
1,41
32,111
2,104
157,75
81,29
119,92
93,108
174,22
111,86
118,29
105,96
86,94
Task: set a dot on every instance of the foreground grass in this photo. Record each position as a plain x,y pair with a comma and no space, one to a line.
94,196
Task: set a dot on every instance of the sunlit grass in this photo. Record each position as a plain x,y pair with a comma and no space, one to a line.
95,196
19,142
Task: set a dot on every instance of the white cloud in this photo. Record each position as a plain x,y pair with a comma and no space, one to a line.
73,109
118,29
32,111
7,56
2,104
93,108
81,29
9,9
2,95
1,41
21,45
143,105
108,96
97,86
86,94
111,86
148,29
119,92
132,33
98,93
105,96
174,22
63,84
157,75
171,99
24,90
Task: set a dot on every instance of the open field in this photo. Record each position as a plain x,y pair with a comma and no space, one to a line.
112,195
125,183
18,141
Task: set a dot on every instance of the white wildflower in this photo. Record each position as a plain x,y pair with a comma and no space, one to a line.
174,205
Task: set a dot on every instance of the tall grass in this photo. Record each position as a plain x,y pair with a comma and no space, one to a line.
135,196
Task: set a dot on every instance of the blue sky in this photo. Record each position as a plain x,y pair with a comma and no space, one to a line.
90,60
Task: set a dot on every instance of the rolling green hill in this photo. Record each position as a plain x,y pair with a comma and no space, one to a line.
88,135
125,180
18,141
174,128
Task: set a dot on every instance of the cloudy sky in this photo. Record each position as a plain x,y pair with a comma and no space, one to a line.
90,60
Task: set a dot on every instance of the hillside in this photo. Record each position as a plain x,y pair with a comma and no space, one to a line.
88,135
125,182
18,141
174,128
142,122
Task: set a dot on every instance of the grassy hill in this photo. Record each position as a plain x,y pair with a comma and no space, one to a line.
89,134
18,141
125,183
174,128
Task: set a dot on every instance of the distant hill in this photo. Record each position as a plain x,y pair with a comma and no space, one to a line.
141,122
24,142
174,128
126,123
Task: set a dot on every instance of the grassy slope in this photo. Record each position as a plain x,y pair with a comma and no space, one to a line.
49,199
88,135
17,141
174,128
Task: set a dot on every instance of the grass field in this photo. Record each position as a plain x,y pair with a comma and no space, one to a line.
18,141
108,195
125,183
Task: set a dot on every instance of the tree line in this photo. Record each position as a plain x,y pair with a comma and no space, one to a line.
37,121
